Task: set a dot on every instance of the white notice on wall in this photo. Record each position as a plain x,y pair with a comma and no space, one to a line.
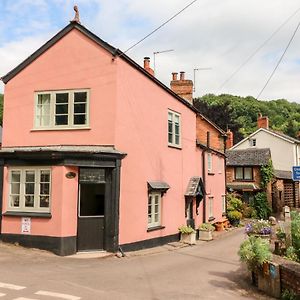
26,225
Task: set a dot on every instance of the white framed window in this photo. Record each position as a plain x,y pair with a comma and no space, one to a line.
210,207
209,163
154,209
174,129
252,142
30,189
61,109
223,204
243,173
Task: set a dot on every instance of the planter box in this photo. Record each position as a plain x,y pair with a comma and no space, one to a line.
205,235
188,238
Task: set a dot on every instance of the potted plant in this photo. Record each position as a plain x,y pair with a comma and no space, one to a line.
259,228
205,232
187,235
234,217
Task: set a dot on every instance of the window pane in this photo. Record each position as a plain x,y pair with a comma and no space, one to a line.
62,98
15,176
45,176
80,97
79,108
156,218
79,119
44,99
177,139
30,176
61,120
176,119
238,173
61,109
43,110
248,173
170,117
15,188
44,189
29,201
29,188
14,201
44,201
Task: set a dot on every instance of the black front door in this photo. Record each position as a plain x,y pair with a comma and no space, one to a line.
91,210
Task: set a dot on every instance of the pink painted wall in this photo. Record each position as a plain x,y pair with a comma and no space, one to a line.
74,62
141,131
63,207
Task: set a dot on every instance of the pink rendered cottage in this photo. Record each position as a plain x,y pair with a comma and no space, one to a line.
99,154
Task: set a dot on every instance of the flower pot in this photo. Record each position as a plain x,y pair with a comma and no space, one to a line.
188,238
205,235
219,226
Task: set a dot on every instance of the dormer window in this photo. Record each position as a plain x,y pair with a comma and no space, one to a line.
252,142
61,109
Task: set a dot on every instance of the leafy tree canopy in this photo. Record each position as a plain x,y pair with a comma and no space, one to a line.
240,113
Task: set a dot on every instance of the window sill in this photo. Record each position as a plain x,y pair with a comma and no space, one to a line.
243,180
60,128
28,214
210,219
155,228
175,146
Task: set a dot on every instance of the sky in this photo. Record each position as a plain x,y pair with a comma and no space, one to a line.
219,35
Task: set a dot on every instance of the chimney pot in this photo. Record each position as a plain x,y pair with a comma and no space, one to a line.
147,65
262,122
182,75
174,75
229,140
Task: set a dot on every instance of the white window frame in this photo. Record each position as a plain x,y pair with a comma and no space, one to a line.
173,143
252,142
223,204
71,102
210,207
209,163
151,200
22,208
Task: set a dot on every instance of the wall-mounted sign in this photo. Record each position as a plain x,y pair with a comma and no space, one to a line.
296,173
71,175
92,175
26,226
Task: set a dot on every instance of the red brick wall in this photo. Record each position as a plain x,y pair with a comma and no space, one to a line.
216,141
290,278
230,175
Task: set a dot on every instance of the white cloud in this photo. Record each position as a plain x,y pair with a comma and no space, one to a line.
211,33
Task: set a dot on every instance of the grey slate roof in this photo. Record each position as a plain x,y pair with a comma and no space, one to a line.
158,185
283,174
248,157
193,187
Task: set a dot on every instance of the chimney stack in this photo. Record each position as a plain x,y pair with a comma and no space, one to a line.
262,122
182,87
229,140
147,65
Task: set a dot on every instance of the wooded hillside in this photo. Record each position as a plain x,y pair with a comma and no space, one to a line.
240,113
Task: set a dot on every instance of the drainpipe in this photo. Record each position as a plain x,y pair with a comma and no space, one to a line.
204,174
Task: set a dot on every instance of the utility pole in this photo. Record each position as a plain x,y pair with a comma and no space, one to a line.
158,52
198,69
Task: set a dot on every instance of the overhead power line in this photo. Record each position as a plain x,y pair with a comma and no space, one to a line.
258,49
279,61
163,24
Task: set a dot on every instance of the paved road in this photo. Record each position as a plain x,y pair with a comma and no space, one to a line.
209,270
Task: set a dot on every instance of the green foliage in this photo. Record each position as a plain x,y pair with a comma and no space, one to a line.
288,295
291,254
240,113
234,215
234,203
295,231
267,173
248,211
261,206
186,229
206,227
254,252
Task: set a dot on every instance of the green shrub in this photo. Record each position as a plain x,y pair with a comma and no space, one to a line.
234,216
261,206
186,229
295,231
206,227
288,295
234,203
248,211
254,252
291,254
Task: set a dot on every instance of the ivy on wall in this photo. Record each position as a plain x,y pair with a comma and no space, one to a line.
267,173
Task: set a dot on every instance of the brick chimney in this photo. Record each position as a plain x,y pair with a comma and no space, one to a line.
147,65
182,87
229,140
262,122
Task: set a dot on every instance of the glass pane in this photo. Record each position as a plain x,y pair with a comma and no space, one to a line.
45,176
80,97
44,99
14,201
156,219
29,188
176,119
149,219
170,117
29,201
44,189
156,208
30,176
79,119
238,173
15,176
79,108
177,139
61,109
44,120
248,173
44,201
15,188
177,129
62,98
61,120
